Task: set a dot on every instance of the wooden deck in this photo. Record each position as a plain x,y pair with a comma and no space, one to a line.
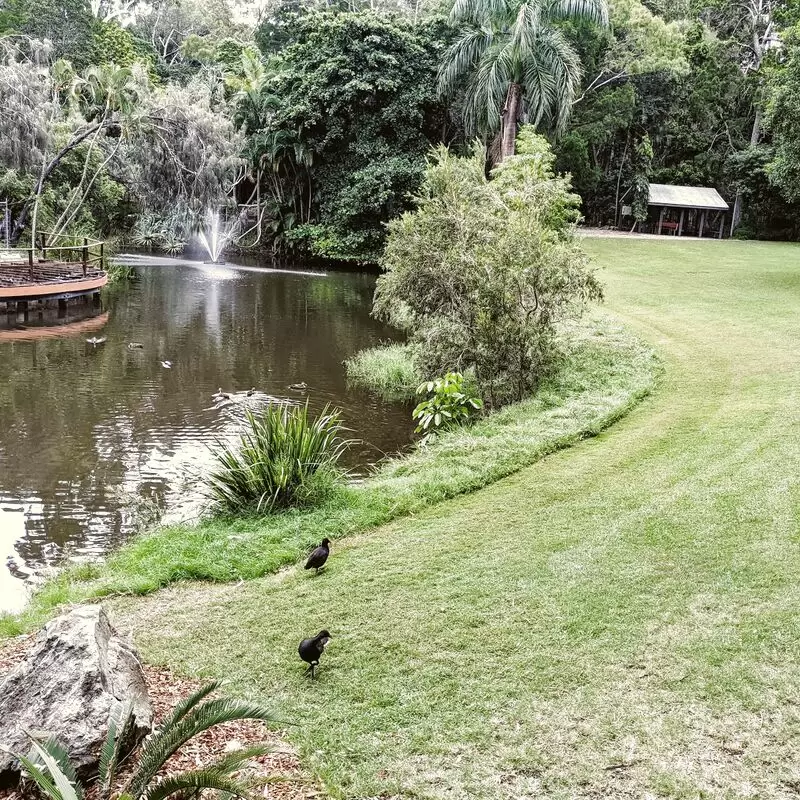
50,280
51,272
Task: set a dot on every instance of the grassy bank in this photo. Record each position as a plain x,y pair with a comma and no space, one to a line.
617,620
607,371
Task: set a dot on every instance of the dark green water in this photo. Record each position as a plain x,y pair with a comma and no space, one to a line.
94,438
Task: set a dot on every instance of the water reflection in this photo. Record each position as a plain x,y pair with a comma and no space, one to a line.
85,429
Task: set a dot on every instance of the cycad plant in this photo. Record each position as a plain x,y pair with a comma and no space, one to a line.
48,764
284,457
517,62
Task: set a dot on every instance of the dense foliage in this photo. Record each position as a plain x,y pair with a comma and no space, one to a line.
309,125
446,404
355,114
480,273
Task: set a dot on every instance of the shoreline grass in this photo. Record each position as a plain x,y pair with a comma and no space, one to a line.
387,370
607,370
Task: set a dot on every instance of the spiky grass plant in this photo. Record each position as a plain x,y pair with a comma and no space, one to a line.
284,458
48,764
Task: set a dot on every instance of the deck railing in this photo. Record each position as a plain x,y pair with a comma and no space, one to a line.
82,251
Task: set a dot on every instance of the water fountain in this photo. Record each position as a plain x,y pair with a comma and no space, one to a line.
214,239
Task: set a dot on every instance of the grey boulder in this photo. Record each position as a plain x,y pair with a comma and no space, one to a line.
77,674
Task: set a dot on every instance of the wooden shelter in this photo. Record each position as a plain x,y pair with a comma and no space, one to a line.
692,210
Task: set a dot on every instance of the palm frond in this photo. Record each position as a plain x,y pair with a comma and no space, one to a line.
41,779
54,748
185,706
158,749
595,11
191,782
120,727
478,12
487,91
230,762
66,789
463,56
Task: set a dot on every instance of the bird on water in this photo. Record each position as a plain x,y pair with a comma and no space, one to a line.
95,340
319,555
311,650
299,387
220,395
166,364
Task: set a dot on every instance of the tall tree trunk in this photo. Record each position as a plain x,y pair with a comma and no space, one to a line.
510,117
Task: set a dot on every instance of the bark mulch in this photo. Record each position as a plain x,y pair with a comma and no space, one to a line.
279,770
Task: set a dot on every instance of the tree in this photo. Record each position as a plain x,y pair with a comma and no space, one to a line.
517,63
353,117
783,121
483,270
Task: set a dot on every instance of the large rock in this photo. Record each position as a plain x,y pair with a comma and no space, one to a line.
78,672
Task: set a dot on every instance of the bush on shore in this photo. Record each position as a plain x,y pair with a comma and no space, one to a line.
482,272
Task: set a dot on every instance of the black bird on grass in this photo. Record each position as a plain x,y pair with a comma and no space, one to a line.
319,555
311,650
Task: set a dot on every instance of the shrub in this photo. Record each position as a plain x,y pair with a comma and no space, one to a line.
448,405
480,273
48,765
284,458
389,370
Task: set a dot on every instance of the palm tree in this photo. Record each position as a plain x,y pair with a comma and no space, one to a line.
517,61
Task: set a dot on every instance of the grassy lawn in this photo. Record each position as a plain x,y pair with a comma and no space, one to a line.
618,620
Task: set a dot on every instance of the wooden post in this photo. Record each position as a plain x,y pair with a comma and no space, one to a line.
85,255
702,224
102,257
661,218
680,224
721,226
44,246
30,263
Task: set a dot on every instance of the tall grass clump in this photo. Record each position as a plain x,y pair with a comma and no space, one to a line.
389,370
284,458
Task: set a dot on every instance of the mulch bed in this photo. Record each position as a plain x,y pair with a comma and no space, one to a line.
279,770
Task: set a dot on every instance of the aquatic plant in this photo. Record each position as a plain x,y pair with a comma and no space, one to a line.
283,458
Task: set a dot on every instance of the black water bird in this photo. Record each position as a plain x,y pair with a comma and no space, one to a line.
311,650
251,392
319,555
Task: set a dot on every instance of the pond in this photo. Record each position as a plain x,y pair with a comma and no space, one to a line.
94,439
